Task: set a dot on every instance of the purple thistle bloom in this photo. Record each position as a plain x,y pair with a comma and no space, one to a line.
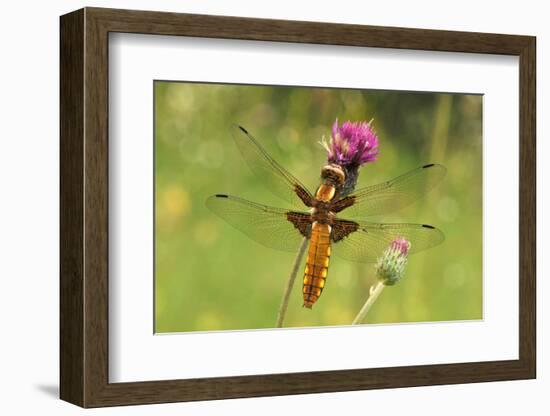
352,144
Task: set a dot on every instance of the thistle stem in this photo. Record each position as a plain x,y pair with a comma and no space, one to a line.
290,283
373,295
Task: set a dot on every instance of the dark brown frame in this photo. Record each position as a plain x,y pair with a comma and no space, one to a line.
84,207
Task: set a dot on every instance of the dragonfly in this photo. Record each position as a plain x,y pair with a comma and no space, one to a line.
316,217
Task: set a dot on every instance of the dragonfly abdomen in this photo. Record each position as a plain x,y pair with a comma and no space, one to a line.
317,263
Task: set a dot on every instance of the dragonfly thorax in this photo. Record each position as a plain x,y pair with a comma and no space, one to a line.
322,215
325,193
333,177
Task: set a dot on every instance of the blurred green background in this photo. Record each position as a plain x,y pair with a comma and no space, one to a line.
209,276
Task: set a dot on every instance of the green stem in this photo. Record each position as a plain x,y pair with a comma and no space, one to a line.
373,295
290,284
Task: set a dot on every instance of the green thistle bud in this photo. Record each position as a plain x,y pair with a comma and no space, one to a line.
390,267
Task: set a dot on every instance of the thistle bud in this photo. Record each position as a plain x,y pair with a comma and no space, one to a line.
390,267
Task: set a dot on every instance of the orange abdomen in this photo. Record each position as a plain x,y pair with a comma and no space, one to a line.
317,262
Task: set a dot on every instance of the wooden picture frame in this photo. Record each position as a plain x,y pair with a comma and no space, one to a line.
84,207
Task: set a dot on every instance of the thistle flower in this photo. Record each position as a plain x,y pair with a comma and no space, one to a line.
391,265
351,145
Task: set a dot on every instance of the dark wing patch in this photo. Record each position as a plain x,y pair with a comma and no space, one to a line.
342,228
301,221
342,204
304,195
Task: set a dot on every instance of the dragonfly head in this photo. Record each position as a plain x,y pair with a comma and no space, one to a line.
333,174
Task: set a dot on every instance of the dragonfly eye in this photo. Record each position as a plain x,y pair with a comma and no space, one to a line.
333,173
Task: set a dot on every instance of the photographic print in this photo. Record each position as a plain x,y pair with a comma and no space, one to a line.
284,206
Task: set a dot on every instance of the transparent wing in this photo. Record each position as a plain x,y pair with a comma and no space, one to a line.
276,178
275,228
370,239
395,194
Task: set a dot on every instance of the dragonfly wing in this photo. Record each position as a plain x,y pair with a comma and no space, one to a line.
275,228
365,242
276,178
392,195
